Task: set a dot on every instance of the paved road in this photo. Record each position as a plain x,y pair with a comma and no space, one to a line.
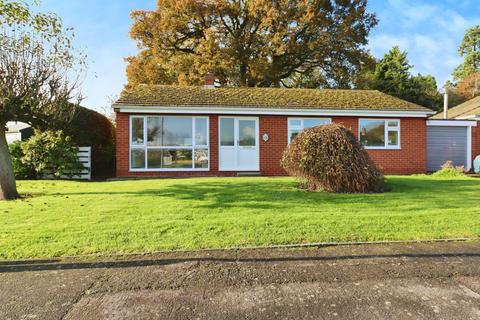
421,281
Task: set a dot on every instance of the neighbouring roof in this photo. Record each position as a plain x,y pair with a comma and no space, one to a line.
16,126
470,108
282,98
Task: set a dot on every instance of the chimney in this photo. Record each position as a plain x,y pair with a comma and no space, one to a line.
210,80
445,105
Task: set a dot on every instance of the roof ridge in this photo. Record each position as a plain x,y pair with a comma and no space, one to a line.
256,88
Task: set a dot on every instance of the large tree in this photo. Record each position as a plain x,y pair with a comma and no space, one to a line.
392,75
36,58
469,50
250,42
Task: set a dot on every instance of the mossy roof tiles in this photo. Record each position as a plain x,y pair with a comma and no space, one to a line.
281,98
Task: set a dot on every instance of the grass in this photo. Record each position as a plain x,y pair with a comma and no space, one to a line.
69,218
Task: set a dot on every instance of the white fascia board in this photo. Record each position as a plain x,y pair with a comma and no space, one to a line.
265,111
470,117
451,123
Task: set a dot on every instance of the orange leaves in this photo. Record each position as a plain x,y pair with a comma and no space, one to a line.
250,43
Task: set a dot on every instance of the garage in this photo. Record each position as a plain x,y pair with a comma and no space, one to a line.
449,140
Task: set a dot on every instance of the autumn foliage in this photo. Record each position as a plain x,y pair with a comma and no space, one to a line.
259,43
330,158
469,87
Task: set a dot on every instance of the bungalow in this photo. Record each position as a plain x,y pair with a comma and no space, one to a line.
177,131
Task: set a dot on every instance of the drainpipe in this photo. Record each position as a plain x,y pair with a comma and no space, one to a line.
445,105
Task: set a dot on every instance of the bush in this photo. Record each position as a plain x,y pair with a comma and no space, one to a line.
23,171
448,170
52,153
330,158
89,128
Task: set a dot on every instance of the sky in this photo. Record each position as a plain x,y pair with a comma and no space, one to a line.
429,30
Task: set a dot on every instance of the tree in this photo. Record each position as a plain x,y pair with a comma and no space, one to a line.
35,59
424,91
249,43
454,98
392,75
469,50
463,90
469,87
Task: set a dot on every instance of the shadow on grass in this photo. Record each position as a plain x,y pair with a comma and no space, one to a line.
45,265
281,194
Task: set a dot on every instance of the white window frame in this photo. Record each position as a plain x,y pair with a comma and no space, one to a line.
302,126
387,130
145,146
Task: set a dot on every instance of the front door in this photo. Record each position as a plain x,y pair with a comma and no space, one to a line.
239,144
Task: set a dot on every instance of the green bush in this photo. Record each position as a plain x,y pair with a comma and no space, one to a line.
23,171
330,158
51,153
448,170
89,128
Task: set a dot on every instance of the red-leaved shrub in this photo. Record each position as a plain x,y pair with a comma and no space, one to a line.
330,158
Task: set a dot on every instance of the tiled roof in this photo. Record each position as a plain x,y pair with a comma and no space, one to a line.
468,108
176,96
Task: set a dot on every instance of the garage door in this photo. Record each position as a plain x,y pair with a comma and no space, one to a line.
444,144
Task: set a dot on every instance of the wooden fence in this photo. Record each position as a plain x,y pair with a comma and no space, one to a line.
85,157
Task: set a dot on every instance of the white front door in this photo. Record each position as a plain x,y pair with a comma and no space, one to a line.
239,144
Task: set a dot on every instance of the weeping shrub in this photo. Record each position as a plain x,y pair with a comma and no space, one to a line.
330,158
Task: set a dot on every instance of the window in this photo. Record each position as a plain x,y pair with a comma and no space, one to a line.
246,133
169,143
227,127
296,125
380,133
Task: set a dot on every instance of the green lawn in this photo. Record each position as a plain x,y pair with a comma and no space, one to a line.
68,218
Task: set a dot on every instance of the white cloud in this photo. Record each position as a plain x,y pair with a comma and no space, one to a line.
430,33
382,43
412,14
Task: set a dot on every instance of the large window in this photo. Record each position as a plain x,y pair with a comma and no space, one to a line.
169,143
297,125
380,133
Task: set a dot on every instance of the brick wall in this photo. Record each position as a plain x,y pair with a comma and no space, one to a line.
476,140
411,158
271,151
122,148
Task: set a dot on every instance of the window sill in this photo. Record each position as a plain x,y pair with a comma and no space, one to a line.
383,148
169,170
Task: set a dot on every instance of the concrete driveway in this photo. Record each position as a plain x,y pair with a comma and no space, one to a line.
421,281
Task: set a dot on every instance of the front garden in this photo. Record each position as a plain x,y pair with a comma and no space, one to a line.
58,218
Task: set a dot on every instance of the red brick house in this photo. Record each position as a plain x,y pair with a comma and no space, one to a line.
207,131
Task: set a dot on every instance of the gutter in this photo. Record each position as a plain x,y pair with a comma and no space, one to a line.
270,111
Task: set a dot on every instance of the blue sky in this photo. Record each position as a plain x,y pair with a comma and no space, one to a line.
429,30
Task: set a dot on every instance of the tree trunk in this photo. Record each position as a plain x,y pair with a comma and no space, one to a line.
8,187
